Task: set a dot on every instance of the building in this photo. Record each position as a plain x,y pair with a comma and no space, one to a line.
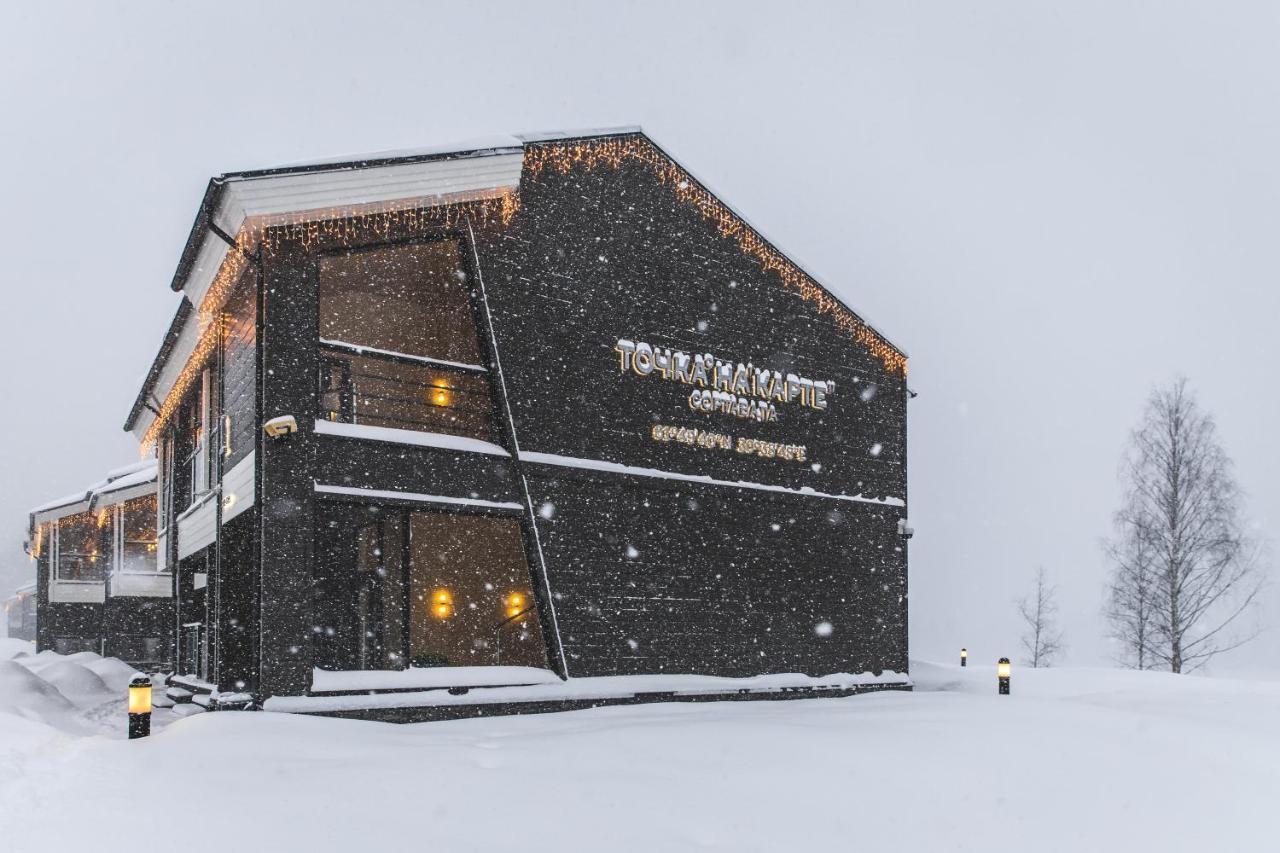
539,411
98,585
20,613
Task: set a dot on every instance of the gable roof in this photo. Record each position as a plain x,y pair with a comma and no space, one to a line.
238,202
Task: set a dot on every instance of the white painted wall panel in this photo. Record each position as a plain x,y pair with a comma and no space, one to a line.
74,592
196,528
162,552
140,585
237,488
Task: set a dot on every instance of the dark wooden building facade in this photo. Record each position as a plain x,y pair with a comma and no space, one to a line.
99,586
545,404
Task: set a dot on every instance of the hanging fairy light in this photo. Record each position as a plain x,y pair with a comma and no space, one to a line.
613,152
356,223
343,225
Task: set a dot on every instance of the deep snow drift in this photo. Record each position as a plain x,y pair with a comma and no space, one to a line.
1075,759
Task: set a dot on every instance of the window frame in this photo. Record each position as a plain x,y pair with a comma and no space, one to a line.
404,512
497,432
118,543
56,553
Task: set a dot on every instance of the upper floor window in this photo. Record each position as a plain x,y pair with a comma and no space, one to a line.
410,299
399,340
77,548
164,481
204,437
136,535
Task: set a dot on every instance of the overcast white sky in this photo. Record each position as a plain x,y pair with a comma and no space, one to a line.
1050,206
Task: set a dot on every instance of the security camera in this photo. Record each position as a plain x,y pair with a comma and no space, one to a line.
904,531
281,426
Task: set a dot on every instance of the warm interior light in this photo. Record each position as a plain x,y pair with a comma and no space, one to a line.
442,604
441,393
1002,668
964,653
140,699
515,604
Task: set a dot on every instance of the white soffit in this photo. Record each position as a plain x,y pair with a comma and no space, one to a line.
310,196
43,516
182,349
291,194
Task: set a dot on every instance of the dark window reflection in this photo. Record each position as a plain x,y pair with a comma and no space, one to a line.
396,588
412,299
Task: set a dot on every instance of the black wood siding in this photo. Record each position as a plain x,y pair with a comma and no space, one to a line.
595,255
239,368
647,574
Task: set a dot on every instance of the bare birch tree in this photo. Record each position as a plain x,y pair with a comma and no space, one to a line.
1184,572
1041,638
1131,594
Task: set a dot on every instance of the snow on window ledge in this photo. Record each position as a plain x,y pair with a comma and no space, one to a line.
441,440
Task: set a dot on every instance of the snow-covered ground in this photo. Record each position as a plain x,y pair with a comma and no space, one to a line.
1076,759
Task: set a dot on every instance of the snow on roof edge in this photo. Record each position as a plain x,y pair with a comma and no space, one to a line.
137,474
495,143
804,267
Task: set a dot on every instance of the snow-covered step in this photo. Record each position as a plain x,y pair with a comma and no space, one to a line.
178,695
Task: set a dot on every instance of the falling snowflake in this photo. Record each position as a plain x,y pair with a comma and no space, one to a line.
632,553
547,510
823,629
876,448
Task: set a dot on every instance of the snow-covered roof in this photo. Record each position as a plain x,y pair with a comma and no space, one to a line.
493,143
119,485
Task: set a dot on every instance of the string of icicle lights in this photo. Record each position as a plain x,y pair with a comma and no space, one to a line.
341,225
613,152
349,224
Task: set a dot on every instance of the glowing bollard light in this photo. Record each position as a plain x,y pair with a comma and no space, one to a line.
964,657
1002,675
139,707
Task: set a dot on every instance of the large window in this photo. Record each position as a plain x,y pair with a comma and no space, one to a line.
412,299
204,437
396,588
399,341
136,535
78,548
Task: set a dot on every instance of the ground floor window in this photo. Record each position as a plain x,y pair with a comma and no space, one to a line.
138,650
397,588
72,645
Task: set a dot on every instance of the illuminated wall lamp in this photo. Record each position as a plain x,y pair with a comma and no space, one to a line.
139,707
442,604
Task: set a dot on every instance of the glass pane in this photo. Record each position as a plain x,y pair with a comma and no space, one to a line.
379,592
79,557
471,601
359,588
138,526
411,298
